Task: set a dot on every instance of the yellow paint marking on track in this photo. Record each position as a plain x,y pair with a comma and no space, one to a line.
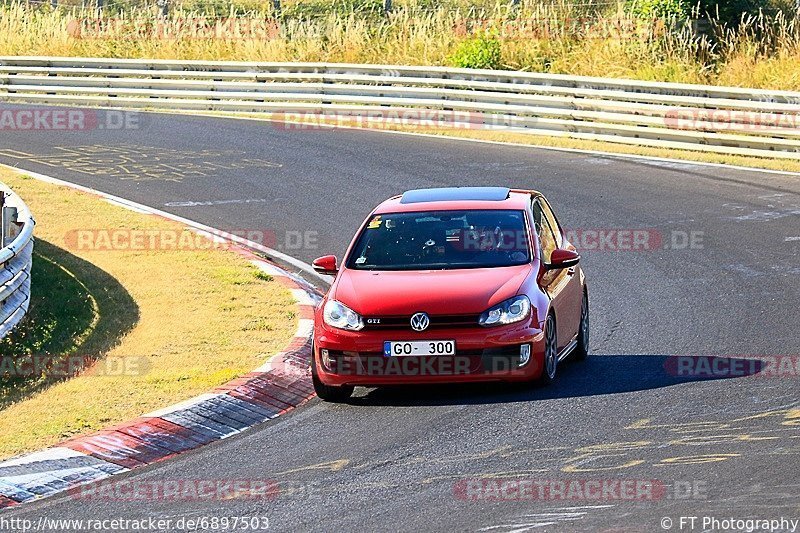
484,475
614,446
332,466
644,423
577,468
588,457
698,459
765,414
792,418
704,440
710,425
143,163
306,489
502,452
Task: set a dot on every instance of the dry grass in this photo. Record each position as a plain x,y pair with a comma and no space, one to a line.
199,318
762,52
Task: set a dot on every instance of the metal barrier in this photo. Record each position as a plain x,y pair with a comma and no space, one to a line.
15,256
726,120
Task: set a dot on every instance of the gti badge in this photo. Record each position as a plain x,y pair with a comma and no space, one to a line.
420,322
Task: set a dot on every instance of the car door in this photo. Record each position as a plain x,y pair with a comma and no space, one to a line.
562,285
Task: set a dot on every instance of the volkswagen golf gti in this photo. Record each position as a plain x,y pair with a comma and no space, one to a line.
451,285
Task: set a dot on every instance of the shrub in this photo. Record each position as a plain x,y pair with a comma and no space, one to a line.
730,11
653,9
480,52
315,9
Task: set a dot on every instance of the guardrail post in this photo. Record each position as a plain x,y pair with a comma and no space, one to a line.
8,220
9,224
163,5
2,220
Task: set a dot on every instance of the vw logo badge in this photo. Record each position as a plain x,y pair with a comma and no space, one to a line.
420,321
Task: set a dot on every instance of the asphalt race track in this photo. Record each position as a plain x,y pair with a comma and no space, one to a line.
720,277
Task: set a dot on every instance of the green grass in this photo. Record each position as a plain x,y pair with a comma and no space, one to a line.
181,321
69,315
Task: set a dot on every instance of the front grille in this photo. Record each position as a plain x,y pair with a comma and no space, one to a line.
437,322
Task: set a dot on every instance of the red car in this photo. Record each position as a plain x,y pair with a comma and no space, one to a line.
451,285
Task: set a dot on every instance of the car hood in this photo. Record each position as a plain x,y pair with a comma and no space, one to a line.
436,292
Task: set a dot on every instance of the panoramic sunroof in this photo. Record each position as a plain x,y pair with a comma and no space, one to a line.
491,194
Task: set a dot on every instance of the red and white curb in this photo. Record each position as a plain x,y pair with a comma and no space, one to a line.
278,386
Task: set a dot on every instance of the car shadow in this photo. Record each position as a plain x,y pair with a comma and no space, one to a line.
597,375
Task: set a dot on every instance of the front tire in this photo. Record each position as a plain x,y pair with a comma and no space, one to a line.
582,350
328,393
550,362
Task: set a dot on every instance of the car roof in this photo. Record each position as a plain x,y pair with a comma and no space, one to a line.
456,198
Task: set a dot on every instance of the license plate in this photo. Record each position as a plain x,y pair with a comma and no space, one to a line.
418,348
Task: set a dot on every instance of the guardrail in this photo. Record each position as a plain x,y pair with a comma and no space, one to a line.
15,257
726,120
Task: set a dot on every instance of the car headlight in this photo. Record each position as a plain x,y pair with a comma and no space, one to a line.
507,312
340,316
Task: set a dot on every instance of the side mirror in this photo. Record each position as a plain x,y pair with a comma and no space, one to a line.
561,258
325,265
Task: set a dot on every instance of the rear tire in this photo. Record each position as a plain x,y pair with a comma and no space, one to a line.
582,350
550,360
328,393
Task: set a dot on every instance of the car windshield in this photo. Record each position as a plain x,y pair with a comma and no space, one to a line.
442,240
